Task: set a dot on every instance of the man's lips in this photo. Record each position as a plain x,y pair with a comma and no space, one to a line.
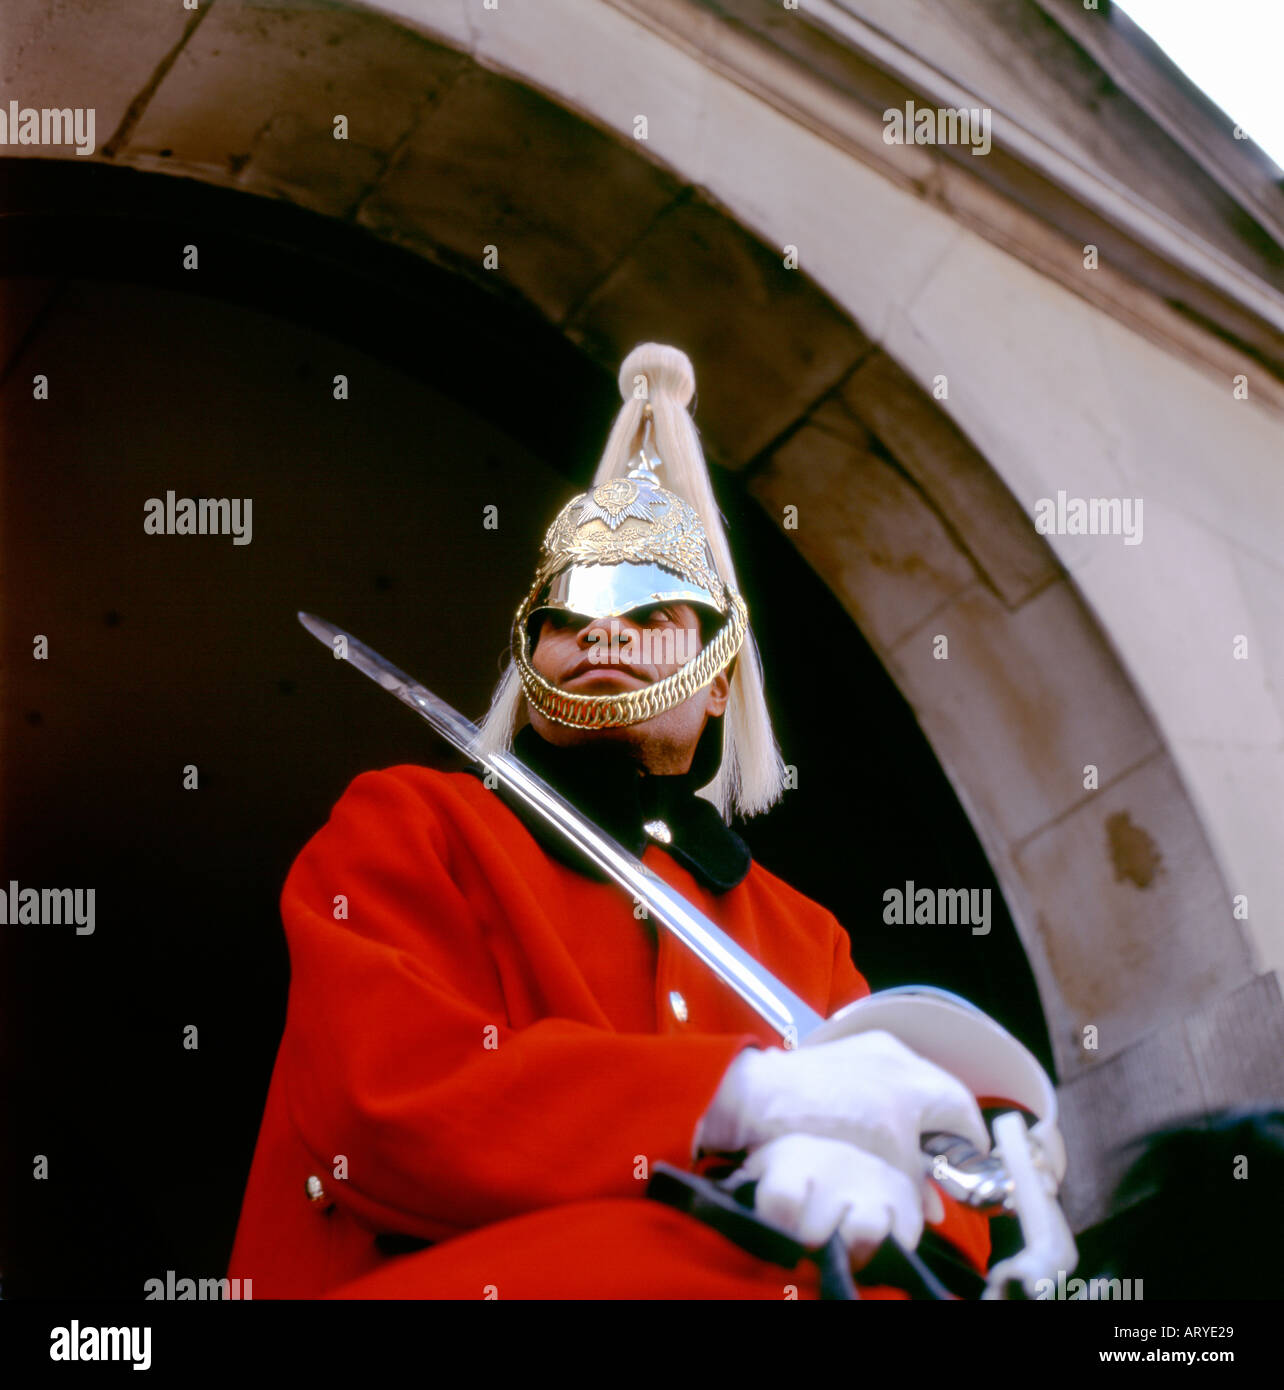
588,669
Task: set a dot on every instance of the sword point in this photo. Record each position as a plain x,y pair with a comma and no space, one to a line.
318,627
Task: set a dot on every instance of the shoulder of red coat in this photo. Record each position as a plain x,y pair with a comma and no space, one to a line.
427,784
799,901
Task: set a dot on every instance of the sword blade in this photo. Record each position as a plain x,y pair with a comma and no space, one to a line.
769,997
448,722
792,1018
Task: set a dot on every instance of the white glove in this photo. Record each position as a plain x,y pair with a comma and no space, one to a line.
869,1090
812,1187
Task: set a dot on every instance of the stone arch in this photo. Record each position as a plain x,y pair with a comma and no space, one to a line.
1116,892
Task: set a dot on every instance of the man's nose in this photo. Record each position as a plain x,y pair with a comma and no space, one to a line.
617,638
604,629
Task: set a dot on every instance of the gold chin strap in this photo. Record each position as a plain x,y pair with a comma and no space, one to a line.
633,706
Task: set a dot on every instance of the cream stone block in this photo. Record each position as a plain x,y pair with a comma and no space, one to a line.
495,164
1134,922
83,53
865,531
454,22
599,61
866,241
960,484
1090,408
1261,581
1102,1111
1023,703
698,279
1223,1054
1020,360
1237,1043
1176,604
1189,443
255,92
1239,790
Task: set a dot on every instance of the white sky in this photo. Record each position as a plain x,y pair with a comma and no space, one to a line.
1233,50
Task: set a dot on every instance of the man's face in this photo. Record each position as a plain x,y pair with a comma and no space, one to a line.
609,656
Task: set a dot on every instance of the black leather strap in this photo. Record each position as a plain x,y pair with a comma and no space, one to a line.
727,1213
732,1215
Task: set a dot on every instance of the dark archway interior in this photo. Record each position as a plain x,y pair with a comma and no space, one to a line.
168,651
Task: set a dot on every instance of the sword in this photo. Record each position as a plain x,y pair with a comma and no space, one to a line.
917,1014
789,1015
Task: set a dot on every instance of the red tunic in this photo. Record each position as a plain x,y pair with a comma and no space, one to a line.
479,1042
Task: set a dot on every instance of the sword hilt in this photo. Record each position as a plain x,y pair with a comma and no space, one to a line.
976,1180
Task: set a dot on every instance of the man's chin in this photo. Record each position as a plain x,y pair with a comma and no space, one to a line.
564,736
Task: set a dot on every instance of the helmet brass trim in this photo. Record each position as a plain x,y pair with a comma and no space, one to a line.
632,706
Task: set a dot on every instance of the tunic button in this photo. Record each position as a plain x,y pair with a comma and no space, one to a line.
679,1006
317,1194
657,830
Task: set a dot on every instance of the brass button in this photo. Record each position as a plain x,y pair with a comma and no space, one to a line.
679,1006
316,1193
657,830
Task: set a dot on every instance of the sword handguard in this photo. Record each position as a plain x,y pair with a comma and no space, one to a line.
1049,1246
1023,1174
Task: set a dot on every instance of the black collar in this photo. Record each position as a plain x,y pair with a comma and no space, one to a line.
620,798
